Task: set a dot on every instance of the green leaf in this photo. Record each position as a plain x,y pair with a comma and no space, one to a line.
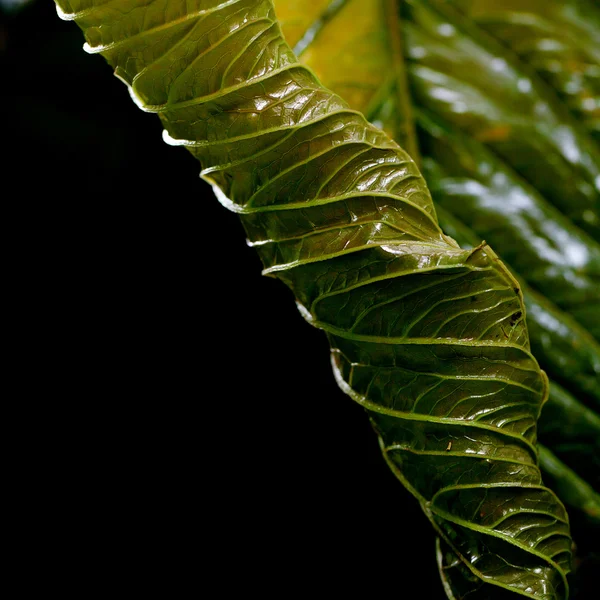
560,39
536,238
363,49
569,355
563,347
428,337
558,259
575,490
469,79
573,432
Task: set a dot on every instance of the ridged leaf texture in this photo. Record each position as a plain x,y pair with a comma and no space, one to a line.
476,184
429,338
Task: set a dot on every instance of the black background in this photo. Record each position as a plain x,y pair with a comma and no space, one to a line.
198,437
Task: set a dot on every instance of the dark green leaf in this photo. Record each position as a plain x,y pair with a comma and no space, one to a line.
469,80
556,257
573,432
576,491
563,347
428,337
560,39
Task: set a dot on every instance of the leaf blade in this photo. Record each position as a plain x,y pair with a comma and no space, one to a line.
236,111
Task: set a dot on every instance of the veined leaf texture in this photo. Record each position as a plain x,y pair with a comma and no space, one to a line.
430,338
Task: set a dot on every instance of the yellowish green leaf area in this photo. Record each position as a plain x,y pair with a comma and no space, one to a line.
354,49
354,38
429,338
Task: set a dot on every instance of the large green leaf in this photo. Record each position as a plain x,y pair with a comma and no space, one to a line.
554,255
558,259
569,427
563,347
536,238
471,81
573,432
560,39
428,337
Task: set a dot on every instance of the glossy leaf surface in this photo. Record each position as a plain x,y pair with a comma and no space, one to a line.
564,348
560,39
428,337
473,83
530,234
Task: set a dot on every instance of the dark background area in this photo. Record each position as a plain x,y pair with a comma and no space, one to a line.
196,426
